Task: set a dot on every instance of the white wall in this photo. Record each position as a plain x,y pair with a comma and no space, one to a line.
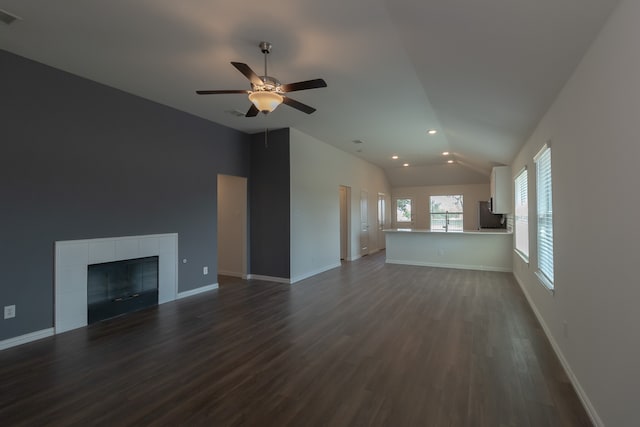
317,171
594,132
472,194
488,251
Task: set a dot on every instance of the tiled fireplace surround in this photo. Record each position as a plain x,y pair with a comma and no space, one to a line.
73,256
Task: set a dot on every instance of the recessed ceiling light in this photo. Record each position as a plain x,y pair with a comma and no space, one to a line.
394,157
449,161
405,165
445,153
432,131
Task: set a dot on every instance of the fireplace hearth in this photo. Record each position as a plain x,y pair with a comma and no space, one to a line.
120,287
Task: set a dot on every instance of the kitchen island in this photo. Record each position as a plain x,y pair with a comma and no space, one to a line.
489,250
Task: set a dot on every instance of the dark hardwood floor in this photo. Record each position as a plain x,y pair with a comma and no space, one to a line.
365,344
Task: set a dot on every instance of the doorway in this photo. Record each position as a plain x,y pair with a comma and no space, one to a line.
232,226
345,209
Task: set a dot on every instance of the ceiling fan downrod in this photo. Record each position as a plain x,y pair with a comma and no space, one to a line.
265,47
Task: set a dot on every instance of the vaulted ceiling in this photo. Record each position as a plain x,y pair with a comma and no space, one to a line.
481,73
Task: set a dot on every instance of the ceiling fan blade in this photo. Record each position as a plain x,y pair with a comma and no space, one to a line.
297,105
218,92
253,111
308,84
248,73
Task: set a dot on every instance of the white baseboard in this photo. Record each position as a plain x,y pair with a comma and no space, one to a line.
23,339
268,278
314,272
593,414
355,258
196,291
456,266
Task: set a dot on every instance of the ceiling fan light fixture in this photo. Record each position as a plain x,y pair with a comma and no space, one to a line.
265,101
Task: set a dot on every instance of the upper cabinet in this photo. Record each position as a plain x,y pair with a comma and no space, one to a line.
501,190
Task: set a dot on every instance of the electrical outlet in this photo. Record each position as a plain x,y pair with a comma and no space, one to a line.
9,311
205,270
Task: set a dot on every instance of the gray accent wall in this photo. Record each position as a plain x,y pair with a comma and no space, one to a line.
270,201
81,160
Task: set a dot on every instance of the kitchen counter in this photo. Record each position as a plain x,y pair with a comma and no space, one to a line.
421,230
489,249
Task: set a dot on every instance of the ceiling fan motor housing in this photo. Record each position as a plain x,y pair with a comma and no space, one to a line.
265,47
270,84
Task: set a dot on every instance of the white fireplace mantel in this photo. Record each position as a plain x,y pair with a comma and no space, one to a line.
73,256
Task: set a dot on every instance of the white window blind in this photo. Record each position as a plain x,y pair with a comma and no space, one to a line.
522,214
545,215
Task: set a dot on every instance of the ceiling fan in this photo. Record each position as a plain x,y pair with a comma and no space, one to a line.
267,92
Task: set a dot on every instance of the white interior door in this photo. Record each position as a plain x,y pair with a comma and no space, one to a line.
232,225
364,223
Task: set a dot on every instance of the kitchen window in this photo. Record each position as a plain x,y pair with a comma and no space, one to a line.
403,212
521,220
446,213
544,209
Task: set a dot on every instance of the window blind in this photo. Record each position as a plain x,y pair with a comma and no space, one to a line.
522,214
545,214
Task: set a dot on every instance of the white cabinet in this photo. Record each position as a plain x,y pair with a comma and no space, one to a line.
501,190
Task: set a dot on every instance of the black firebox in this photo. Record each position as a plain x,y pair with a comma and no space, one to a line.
119,287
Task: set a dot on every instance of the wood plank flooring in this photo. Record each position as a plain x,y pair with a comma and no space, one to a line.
367,344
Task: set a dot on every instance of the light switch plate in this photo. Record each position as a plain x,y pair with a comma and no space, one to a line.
9,311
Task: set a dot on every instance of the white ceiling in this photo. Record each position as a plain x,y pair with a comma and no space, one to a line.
481,72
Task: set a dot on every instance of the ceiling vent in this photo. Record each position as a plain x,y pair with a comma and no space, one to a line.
8,18
236,113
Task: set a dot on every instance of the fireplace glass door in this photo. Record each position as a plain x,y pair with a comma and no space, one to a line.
115,288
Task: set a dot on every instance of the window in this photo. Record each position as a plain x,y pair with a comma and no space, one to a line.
382,214
403,210
521,233
446,213
545,216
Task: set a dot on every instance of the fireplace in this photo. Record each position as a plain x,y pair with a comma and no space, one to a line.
119,287
73,257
